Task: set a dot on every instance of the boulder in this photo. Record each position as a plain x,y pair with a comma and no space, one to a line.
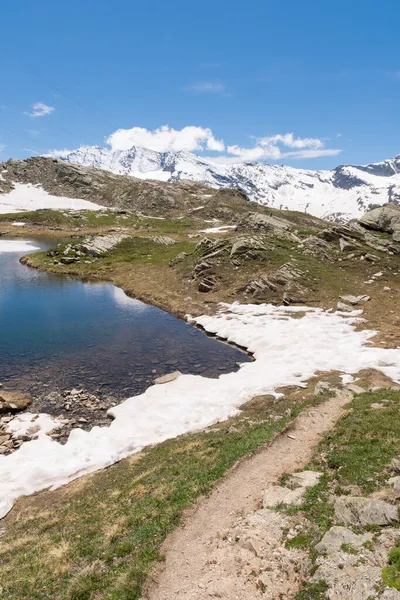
358,510
250,247
386,218
14,401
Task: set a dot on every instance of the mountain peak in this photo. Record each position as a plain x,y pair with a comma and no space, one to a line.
343,193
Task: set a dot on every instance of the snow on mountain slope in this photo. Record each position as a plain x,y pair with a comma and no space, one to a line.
33,197
340,194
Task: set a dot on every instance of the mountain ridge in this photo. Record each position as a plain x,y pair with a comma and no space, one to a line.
339,194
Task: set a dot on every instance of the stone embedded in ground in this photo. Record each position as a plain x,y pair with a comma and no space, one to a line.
354,300
356,389
342,306
14,401
358,510
396,465
336,536
305,479
168,377
346,246
395,482
277,494
322,387
390,594
351,570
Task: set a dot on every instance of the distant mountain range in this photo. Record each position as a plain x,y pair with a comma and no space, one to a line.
341,194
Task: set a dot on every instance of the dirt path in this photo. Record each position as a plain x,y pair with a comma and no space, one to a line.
191,570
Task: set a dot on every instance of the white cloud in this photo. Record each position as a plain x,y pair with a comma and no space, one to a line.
207,87
39,109
166,139
2,146
63,153
199,139
275,148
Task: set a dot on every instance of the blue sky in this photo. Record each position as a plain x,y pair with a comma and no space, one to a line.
245,73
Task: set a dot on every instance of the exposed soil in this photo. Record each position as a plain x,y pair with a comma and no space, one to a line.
190,570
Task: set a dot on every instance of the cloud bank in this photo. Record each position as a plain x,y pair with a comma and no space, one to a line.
201,139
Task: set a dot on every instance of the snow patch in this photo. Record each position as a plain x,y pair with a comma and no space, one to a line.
221,229
39,424
17,246
26,196
290,344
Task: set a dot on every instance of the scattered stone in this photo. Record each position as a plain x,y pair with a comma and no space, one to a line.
168,377
14,401
354,300
358,510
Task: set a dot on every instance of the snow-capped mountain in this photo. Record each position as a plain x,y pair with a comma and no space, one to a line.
343,193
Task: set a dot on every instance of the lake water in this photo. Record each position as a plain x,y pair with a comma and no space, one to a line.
60,333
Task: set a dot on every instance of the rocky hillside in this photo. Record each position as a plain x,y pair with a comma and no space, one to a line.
343,193
104,188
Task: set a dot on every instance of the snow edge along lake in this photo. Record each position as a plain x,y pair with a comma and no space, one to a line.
288,347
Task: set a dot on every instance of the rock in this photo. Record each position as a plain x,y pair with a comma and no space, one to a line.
277,494
377,405
305,479
263,222
249,247
346,246
164,240
336,536
100,244
295,294
390,594
315,246
322,387
67,260
206,285
386,218
358,510
396,465
14,401
343,307
371,257
354,300
395,483
396,235
179,258
356,389
168,377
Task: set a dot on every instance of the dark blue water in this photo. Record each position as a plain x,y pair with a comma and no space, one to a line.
59,333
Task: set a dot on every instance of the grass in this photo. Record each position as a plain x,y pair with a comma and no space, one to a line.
99,537
391,573
357,452
89,219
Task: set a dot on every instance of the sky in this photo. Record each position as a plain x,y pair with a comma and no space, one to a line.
309,83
